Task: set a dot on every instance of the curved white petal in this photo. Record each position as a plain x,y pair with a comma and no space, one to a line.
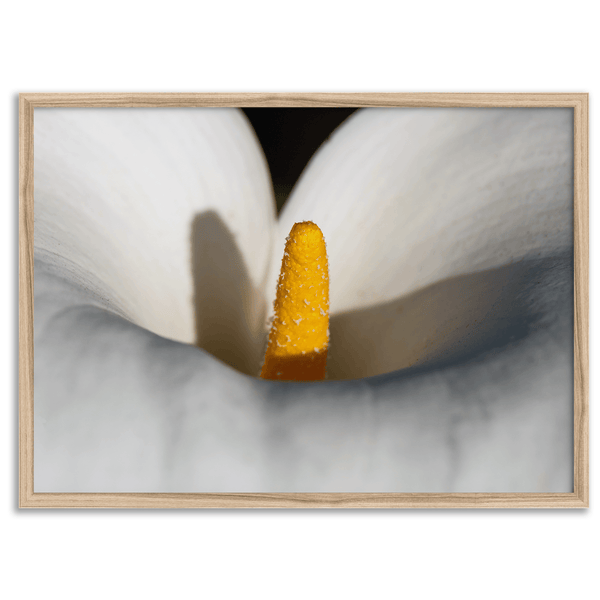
118,408
434,221
407,197
125,410
166,215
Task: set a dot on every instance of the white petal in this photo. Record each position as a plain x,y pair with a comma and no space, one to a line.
434,221
127,411
407,197
158,212
118,408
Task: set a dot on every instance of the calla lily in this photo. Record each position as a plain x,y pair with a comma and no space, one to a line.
449,236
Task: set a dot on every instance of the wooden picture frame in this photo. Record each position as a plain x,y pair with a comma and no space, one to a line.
579,498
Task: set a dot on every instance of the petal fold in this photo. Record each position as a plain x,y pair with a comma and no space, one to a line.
119,409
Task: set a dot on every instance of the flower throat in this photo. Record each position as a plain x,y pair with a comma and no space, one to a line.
299,336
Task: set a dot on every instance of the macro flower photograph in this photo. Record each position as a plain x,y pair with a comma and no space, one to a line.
303,300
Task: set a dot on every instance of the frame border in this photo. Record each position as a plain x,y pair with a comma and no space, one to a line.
579,102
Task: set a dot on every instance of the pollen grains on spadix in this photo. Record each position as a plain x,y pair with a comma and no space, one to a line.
301,307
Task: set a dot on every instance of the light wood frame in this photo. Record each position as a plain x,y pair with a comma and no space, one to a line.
28,102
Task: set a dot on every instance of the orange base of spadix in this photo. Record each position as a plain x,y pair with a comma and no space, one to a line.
299,337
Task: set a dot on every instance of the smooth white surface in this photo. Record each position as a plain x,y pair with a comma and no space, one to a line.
409,197
441,47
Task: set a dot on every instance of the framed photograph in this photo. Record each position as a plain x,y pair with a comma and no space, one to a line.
303,300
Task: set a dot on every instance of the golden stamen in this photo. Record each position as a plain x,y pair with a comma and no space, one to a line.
299,336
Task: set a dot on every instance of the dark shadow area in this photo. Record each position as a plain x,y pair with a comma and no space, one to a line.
229,312
289,137
451,321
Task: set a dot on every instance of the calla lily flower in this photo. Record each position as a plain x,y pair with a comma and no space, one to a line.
157,250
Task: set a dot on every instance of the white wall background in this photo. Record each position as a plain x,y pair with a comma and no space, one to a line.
316,45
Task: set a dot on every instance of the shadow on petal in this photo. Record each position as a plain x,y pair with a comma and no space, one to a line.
450,321
229,312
